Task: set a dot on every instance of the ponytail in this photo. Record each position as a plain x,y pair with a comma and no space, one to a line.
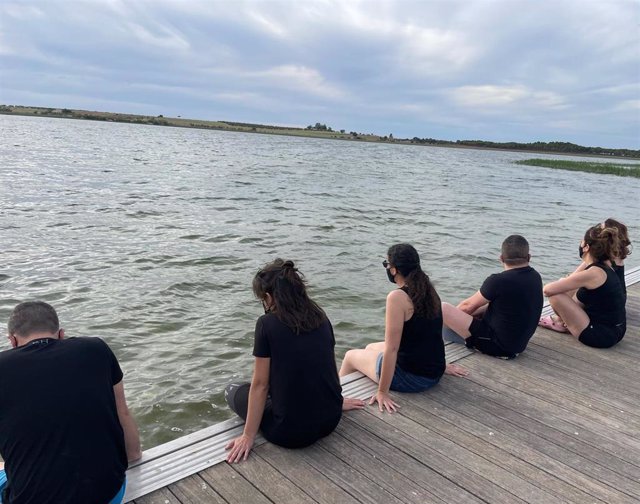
623,235
424,297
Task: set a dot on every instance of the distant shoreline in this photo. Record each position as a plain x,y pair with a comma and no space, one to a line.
319,131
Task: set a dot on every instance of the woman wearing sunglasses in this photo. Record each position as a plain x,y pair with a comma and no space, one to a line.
295,397
411,358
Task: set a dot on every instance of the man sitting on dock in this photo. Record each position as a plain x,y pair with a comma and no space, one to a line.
502,316
67,434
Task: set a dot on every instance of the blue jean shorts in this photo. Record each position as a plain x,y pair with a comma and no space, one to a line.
3,483
403,381
116,500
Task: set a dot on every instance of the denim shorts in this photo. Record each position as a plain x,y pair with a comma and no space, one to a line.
3,483
116,500
403,381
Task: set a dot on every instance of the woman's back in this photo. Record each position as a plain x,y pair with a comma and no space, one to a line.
306,395
421,349
604,304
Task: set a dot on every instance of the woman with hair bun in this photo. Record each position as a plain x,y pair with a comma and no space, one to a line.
591,300
294,397
411,358
554,321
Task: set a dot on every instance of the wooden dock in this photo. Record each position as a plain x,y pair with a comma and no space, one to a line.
561,423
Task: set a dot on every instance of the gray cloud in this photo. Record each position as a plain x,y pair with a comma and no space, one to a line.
498,70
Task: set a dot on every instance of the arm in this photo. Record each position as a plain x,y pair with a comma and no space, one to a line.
394,322
241,446
131,436
473,303
581,267
590,278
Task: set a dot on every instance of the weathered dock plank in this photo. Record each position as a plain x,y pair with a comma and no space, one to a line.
503,450
232,486
273,484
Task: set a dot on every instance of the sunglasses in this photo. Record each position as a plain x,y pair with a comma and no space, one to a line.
386,264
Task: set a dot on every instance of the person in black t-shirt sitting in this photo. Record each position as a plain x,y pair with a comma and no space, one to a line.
295,397
66,430
591,301
502,316
411,358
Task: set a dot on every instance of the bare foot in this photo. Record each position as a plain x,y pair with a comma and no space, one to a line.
456,370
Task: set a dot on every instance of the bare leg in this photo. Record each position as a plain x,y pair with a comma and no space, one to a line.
360,360
378,346
456,319
572,314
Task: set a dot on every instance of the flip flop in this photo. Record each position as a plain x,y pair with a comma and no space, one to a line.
548,323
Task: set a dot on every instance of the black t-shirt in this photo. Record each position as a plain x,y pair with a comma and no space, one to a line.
61,438
515,303
421,350
305,390
604,304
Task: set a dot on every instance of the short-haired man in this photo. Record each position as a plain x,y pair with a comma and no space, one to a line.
67,434
502,316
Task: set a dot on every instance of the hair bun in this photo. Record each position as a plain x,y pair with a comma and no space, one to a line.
288,264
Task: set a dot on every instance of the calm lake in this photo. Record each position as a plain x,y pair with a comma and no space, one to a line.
149,238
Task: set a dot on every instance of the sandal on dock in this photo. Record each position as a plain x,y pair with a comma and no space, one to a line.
548,323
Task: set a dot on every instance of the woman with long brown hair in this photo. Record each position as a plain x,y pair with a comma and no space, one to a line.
591,301
411,358
294,397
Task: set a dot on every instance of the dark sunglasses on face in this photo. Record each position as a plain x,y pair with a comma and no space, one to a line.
385,263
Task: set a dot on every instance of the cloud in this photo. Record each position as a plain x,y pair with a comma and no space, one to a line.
21,12
443,69
160,36
300,79
494,96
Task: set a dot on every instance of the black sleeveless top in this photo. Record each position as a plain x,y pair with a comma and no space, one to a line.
604,304
421,349
620,272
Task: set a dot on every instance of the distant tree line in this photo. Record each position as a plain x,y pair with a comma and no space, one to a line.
160,120
557,147
319,127
261,126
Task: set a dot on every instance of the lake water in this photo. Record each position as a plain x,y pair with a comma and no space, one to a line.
149,237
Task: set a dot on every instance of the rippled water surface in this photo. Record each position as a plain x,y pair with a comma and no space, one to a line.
149,237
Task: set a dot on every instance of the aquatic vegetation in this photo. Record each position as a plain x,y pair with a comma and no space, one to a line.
619,169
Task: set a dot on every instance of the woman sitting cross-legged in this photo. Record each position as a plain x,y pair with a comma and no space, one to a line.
295,396
591,302
554,321
411,358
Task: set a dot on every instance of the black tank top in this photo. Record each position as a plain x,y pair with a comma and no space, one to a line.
620,272
421,349
604,304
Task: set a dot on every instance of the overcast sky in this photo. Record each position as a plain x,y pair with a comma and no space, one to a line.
503,70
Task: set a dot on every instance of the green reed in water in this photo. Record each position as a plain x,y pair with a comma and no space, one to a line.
622,170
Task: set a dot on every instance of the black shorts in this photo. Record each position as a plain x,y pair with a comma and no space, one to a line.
602,336
483,339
